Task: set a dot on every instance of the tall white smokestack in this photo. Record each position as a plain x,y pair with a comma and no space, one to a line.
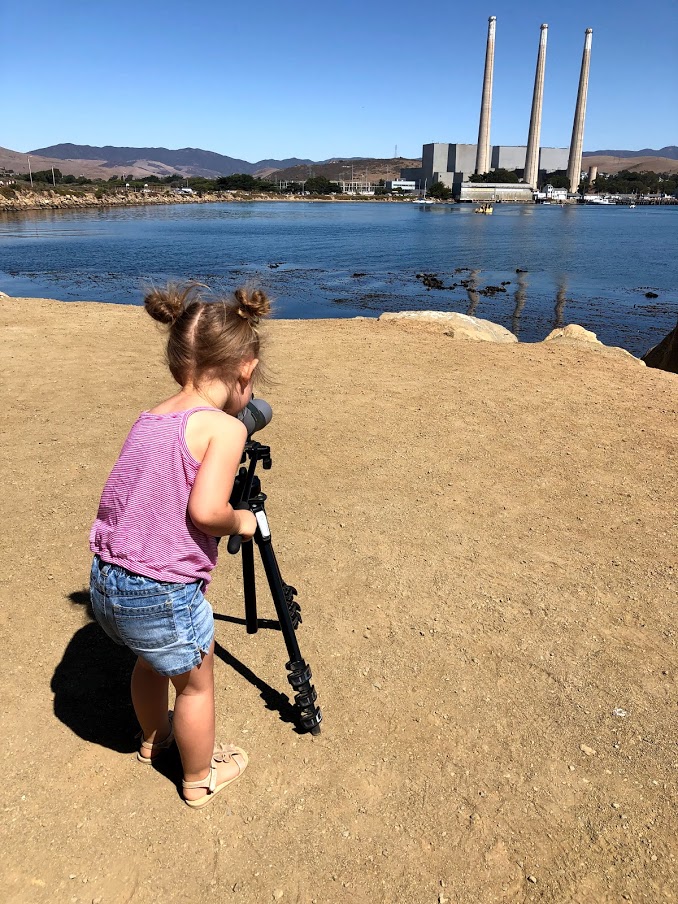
534,135
483,151
577,143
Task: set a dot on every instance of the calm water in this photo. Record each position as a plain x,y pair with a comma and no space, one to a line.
583,265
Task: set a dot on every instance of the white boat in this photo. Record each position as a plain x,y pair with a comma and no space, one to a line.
595,199
632,205
423,199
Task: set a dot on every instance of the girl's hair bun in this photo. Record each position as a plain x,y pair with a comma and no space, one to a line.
168,304
252,305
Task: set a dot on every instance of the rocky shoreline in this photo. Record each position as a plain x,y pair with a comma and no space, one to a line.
467,328
53,200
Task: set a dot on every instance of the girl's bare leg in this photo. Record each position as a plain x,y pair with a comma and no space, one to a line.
149,697
194,725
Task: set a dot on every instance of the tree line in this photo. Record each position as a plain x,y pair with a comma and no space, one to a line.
237,182
625,182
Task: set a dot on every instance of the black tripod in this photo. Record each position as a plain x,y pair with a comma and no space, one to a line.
247,495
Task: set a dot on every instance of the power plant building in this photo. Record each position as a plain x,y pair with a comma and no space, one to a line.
454,164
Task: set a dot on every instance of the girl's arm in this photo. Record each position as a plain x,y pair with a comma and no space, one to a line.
208,505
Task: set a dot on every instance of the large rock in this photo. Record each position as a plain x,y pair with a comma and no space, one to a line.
573,331
664,355
576,335
458,326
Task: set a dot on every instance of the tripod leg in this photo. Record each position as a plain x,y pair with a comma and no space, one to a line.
249,585
299,676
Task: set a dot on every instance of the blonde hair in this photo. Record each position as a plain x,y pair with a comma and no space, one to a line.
209,337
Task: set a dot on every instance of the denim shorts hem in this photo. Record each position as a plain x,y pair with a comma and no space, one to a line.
172,673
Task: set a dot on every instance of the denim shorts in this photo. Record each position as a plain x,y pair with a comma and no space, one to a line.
169,625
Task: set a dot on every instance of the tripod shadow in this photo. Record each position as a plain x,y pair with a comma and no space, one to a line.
274,700
271,624
92,696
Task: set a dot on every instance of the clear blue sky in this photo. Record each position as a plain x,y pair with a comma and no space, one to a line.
313,80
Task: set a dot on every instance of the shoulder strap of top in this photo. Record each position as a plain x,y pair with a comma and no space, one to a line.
186,414
182,427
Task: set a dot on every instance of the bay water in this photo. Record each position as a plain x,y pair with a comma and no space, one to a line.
546,265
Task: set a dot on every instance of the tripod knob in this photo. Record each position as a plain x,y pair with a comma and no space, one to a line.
234,544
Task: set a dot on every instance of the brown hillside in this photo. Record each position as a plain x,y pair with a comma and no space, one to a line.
92,169
633,164
367,169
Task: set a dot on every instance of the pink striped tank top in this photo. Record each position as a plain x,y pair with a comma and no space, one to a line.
143,522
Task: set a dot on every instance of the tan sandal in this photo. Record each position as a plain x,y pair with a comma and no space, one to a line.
160,746
225,753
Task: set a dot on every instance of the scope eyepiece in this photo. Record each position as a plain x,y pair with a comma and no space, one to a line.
255,415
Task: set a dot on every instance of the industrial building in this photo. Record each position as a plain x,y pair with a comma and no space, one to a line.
453,164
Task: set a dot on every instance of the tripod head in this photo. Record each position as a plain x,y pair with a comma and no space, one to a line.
255,416
247,486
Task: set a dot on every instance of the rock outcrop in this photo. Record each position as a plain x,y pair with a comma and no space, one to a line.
573,334
457,326
56,200
573,331
664,356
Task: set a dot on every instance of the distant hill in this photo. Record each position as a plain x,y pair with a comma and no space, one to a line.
18,162
613,165
362,169
671,151
187,161
104,162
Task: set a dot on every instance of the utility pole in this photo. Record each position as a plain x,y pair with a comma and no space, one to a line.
53,179
30,174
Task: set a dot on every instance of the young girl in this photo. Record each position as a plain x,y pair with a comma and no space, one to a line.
154,538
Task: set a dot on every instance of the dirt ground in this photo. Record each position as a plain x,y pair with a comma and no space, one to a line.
483,538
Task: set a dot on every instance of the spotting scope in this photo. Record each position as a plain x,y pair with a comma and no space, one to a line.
255,415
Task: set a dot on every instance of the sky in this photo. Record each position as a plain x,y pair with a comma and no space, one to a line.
346,79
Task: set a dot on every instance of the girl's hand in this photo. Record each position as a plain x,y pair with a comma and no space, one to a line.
248,524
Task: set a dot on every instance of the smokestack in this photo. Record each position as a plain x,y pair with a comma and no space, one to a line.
532,156
483,151
577,143
593,174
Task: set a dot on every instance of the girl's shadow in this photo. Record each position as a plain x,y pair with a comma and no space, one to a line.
91,686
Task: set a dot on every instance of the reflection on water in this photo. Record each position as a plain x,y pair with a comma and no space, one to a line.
348,259
560,303
472,292
520,297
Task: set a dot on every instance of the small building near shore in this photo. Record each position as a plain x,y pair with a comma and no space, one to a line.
474,192
549,193
404,185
